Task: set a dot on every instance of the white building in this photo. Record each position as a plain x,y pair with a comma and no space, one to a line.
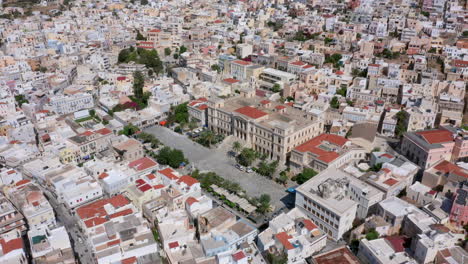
71,103
333,199
294,234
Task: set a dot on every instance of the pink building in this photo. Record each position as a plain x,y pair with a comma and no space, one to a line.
426,148
459,212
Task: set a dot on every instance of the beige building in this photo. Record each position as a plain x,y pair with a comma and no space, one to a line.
271,128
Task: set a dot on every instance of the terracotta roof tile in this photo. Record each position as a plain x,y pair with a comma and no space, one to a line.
250,112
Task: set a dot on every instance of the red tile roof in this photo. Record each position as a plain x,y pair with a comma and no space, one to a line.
22,182
121,78
283,238
169,173
173,244
264,102
121,213
97,208
151,176
279,107
250,112
298,63
386,155
10,245
155,30
241,62
448,167
340,255
436,136
104,131
87,133
397,243
189,180
142,164
191,200
130,260
202,107
103,175
114,242
158,186
309,224
390,182
230,80
238,255
145,187
323,155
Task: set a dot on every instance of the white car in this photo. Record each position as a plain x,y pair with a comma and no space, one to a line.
240,167
249,170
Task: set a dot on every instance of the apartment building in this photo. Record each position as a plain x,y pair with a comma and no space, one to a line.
32,203
239,69
10,218
268,127
334,198
51,246
442,173
197,109
426,148
325,151
115,231
293,234
90,142
63,105
387,250
269,77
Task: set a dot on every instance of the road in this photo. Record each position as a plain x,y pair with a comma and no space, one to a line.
217,161
69,221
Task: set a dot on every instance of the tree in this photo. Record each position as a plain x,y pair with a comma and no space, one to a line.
167,51
143,2
401,126
334,103
192,125
236,146
21,99
139,36
247,157
342,91
376,167
129,130
171,157
182,49
264,203
305,175
179,114
176,56
267,169
276,88
372,234
207,138
215,67
138,83
277,258
283,177
92,112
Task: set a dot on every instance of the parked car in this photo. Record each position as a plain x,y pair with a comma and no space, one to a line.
249,170
240,167
291,190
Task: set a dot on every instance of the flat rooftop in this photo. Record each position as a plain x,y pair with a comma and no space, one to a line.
329,189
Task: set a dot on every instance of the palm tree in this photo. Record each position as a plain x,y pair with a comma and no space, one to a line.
236,146
192,125
208,136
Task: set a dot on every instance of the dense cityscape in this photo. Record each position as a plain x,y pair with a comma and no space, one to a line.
233,132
